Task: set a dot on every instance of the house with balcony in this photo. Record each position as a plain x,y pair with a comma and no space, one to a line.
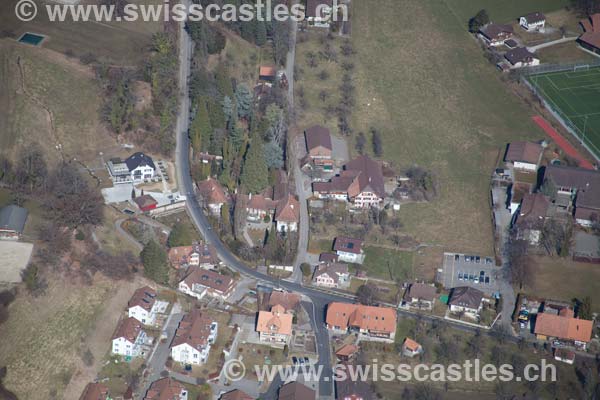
332,275
213,195
349,250
466,300
535,21
368,321
419,296
144,306
129,338
194,336
166,389
137,168
274,326
200,282
199,254
319,147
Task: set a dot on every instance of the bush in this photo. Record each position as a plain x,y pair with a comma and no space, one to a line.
80,235
306,269
88,58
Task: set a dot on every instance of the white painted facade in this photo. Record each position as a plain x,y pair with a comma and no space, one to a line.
351,257
197,291
532,26
123,347
525,166
283,226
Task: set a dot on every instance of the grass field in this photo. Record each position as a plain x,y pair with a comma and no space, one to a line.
438,104
503,11
388,264
575,95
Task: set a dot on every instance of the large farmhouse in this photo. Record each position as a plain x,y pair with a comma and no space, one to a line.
590,40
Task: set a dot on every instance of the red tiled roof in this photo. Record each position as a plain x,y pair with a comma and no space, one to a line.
268,71
524,152
129,329
346,350
143,297
534,209
164,389
563,327
591,28
411,344
347,245
378,319
275,321
296,391
194,330
289,301
94,391
236,394
212,191
288,209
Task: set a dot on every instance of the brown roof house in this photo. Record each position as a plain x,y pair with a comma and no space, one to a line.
347,352
582,185
289,301
275,326
95,391
361,182
319,147
521,57
194,336
467,301
535,21
295,391
332,275
144,307
236,394
411,348
531,216
166,389
129,338
319,12
213,195
353,389
496,34
590,40
267,73
419,296
377,322
349,249
525,156
287,214
563,326
200,282
197,255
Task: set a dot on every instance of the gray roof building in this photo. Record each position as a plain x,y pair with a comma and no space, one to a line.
13,218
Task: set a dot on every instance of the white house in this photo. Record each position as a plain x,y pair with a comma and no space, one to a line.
319,13
128,338
411,348
524,156
332,275
287,214
213,195
200,282
193,338
145,307
138,168
520,57
349,250
466,300
533,22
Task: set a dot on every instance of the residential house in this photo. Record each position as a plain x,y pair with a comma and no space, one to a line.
582,186
95,391
410,348
137,168
267,73
259,206
361,182
496,34
590,40
274,326
531,217
347,352
525,156
207,158
296,391
12,222
563,326
328,257
332,275
420,296
145,203
564,355
166,389
143,305
128,338
319,13
319,147
349,249
200,282
466,300
287,214
521,57
535,21
236,394
194,336
289,301
353,389
197,255
213,195
375,322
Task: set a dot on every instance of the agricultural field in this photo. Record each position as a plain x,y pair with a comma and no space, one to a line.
574,95
447,113
388,264
502,12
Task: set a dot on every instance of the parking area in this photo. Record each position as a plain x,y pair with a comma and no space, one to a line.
475,271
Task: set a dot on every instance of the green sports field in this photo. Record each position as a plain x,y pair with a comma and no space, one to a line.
576,96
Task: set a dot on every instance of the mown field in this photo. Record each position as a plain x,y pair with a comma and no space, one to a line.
440,105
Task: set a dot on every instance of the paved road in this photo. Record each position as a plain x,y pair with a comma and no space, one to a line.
186,186
533,49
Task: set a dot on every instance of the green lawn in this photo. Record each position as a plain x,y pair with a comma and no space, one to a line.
438,104
576,96
503,11
388,264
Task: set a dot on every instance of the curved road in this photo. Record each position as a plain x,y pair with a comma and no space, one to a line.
186,186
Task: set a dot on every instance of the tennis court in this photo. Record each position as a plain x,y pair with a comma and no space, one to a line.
575,96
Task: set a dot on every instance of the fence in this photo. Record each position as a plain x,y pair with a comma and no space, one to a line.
563,119
548,68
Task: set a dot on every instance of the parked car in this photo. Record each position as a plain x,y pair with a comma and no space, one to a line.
456,257
487,280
